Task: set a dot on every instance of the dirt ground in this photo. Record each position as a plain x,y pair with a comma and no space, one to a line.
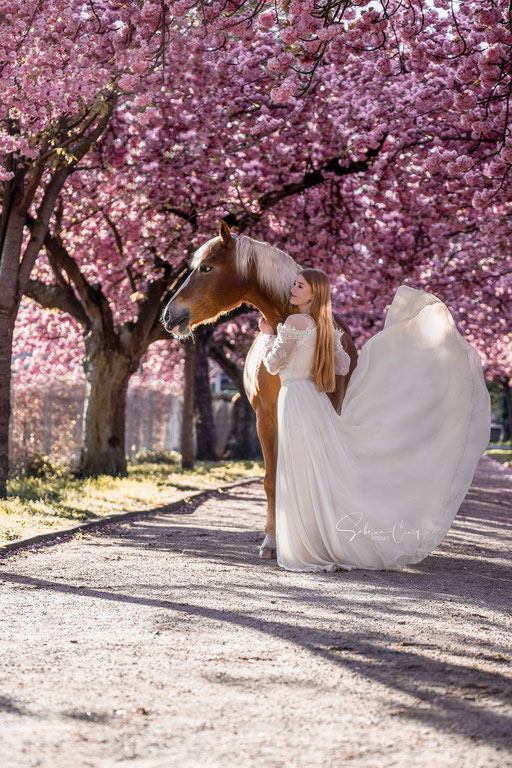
166,642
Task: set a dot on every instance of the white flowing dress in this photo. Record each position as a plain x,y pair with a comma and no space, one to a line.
378,486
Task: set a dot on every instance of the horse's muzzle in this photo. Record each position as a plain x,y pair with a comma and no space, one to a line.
176,321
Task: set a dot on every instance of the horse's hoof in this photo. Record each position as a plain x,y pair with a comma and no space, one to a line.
268,548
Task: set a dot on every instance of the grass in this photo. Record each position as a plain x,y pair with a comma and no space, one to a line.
57,499
502,452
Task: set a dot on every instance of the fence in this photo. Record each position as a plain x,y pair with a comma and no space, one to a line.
50,421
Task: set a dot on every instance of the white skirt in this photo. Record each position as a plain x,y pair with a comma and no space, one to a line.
378,486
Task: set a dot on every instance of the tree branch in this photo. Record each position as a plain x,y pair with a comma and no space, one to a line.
312,179
120,248
228,365
51,194
94,304
53,296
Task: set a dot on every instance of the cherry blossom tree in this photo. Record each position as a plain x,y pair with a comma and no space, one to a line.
63,68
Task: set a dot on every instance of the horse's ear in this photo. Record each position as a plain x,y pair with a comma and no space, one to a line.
225,233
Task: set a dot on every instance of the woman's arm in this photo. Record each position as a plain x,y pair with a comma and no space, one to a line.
341,358
277,350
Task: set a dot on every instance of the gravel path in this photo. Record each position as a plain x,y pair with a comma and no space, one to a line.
166,642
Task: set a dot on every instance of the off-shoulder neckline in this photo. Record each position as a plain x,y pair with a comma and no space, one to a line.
309,328
291,327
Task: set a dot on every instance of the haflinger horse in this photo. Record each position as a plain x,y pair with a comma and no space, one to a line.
227,271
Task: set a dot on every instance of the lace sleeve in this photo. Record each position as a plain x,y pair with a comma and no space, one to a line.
341,358
277,349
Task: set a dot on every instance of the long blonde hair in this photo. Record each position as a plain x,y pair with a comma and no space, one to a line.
321,311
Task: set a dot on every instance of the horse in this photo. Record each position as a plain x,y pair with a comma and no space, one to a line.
226,271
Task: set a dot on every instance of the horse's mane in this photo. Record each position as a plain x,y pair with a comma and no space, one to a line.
275,269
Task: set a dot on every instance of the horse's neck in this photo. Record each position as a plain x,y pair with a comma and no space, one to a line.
267,306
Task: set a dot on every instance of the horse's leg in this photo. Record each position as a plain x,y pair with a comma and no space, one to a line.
266,424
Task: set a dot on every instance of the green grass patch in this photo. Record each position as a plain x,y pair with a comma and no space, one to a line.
57,499
501,454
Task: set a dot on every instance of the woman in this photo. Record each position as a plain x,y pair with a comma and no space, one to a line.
378,486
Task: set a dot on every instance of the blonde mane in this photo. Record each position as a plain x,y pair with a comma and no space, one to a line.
275,269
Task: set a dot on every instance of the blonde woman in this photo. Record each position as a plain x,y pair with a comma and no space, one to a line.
378,486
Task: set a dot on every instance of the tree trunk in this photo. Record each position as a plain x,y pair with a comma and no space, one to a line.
187,423
249,445
6,330
104,452
16,258
9,305
205,424
239,444
507,426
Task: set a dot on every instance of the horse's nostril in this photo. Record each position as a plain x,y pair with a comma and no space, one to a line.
166,318
173,319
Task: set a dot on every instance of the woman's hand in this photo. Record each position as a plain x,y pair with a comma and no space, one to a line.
265,326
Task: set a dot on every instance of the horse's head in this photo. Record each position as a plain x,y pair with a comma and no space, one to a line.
226,271
213,288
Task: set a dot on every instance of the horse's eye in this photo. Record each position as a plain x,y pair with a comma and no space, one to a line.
205,268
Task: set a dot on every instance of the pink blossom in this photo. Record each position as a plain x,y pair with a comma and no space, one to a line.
128,82
267,19
289,35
